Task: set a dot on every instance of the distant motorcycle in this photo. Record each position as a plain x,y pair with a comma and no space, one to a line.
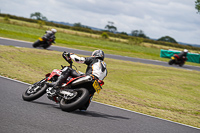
73,94
43,42
177,60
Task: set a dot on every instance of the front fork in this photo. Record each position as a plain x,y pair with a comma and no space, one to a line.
35,87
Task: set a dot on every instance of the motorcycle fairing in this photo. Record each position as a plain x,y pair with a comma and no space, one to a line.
40,39
53,73
176,56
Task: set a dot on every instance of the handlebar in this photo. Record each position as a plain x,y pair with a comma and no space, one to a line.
67,57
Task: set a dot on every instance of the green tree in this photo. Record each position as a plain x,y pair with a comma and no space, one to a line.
138,33
197,6
110,27
167,39
77,25
38,16
123,33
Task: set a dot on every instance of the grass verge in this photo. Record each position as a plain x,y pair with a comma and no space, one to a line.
163,92
84,41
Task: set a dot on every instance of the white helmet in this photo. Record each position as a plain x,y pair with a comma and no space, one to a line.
185,50
54,30
99,54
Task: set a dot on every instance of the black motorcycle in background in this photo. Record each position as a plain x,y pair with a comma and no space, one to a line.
44,42
47,40
177,60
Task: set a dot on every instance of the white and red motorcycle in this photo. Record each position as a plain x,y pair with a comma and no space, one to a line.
73,94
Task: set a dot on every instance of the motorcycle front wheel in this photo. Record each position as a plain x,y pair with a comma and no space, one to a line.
35,91
171,62
36,44
81,96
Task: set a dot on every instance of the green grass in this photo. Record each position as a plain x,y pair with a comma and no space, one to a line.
31,32
163,92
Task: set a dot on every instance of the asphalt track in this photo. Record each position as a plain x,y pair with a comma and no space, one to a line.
4,41
44,116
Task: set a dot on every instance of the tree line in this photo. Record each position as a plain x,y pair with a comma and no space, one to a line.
109,28
197,6
105,33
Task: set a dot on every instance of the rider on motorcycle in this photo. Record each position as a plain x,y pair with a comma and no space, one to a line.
96,68
50,34
183,54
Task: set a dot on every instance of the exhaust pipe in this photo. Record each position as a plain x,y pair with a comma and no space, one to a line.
82,80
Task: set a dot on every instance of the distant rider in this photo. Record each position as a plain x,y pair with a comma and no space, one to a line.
96,68
50,34
183,54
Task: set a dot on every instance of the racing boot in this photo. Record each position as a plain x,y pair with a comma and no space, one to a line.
60,80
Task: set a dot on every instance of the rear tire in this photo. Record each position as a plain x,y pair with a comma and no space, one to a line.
27,96
80,100
36,44
181,64
46,46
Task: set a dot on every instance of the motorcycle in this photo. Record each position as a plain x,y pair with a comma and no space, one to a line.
43,42
177,60
73,94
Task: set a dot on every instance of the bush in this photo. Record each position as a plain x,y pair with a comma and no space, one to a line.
41,23
6,19
104,35
135,40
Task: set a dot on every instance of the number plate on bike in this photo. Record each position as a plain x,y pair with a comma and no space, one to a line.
96,86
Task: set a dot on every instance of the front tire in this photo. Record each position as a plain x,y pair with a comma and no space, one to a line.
77,102
36,44
35,91
171,62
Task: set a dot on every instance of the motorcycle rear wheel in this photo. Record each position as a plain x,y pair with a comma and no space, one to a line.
77,102
181,64
45,46
35,91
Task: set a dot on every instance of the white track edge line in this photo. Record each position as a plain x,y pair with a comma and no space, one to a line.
147,115
116,107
